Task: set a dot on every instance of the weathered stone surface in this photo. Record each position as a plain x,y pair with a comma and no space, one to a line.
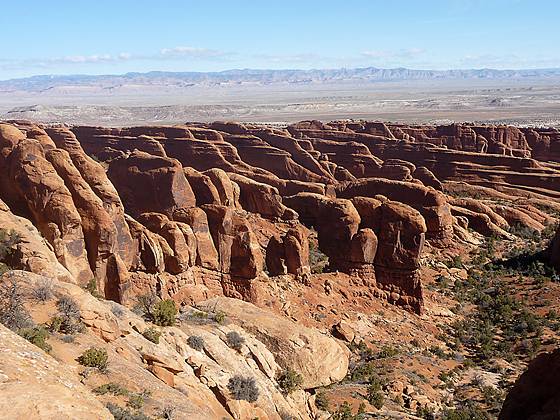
33,253
400,242
151,183
257,197
203,188
34,385
318,358
206,253
228,191
51,206
430,203
289,254
94,174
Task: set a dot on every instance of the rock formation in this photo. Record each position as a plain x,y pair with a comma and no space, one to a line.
219,204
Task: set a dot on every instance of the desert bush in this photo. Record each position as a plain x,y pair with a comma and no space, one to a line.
152,334
374,392
387,352
243,388
467,413
344,412
145,304
67,338
91,287
111,388
425,413
167,412
137,400
322,401
55,324
94,357
160,312
117,310
317,259
289,380
121,413
196,342
455,262
69,313
13,314
43,291
235,340
220,317
8,242
164,313
362,372
37,335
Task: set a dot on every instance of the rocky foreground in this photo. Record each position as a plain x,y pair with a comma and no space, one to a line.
313,242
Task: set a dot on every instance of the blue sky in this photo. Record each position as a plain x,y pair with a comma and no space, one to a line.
110,37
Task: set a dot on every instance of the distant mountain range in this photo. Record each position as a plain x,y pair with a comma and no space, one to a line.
264,77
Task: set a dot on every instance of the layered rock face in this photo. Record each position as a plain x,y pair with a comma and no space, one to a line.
199,210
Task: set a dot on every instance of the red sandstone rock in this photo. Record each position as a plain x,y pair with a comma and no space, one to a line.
50,204
151,183
204,190
206,253
289,254
260,198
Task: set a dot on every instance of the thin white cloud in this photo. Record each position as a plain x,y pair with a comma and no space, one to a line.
175,53
398,54
192,52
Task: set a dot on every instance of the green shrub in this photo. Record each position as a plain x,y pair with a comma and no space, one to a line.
55,324
220,317
289,380
243,388
374,392
322,401
387,352
120,413
137,400
196,342
152,334
164,313
37,335
91,287
235,340
94,357
455,262
344,412
468,413
111,388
